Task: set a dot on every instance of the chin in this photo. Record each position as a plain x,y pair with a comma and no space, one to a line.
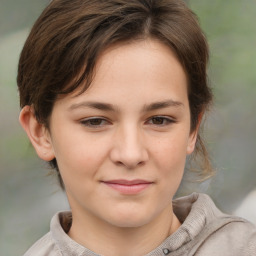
129,223
131,219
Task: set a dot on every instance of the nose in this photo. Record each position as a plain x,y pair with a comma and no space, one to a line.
129,148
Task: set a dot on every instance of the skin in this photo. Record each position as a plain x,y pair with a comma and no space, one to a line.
132,123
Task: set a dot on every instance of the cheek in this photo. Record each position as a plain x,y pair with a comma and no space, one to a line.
79,168
78,156
170,162
170,159
170,155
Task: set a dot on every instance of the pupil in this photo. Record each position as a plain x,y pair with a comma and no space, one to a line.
96,122
158,120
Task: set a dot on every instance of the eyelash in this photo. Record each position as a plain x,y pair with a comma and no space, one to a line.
101,122
165,120
88,122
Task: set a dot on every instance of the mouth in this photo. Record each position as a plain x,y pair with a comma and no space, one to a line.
128,187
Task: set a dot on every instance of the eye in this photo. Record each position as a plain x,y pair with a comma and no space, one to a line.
160,120
94,122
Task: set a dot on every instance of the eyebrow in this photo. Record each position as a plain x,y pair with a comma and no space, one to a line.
95,105
162,104
109,107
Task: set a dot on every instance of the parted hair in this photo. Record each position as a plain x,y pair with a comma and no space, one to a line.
61,51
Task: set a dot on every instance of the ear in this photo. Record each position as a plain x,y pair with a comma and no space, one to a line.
193,136
37,133
192,142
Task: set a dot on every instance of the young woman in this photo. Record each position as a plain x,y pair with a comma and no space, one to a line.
112,95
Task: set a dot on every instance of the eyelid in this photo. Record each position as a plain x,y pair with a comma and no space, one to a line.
86,122
170,120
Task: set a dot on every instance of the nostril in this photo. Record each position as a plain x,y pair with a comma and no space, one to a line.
141,163
119,163
129,165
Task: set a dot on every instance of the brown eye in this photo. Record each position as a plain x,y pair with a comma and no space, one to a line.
94,122
160,120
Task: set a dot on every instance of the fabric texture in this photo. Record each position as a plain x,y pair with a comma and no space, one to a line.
205,231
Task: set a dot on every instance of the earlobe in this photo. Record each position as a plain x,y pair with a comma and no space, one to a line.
37,133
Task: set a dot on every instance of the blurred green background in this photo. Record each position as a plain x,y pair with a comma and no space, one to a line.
29,198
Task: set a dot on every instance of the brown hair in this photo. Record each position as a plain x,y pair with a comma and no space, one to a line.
62,48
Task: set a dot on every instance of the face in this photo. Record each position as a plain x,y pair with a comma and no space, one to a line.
121,145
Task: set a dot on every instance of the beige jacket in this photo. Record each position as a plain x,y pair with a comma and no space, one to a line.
205,231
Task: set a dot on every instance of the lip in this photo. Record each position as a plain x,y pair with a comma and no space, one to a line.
128,187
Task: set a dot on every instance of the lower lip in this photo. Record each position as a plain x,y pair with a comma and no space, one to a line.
129,189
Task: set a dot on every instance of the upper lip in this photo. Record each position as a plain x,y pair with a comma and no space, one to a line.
128,182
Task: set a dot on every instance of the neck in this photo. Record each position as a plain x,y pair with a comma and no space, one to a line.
108,240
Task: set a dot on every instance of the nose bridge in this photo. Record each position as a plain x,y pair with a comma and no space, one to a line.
129,149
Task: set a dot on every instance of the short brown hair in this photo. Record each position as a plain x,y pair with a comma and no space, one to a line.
62,48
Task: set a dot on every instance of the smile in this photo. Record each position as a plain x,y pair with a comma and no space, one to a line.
128,187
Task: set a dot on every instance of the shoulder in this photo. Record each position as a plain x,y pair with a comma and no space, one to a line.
225,234
44,247
234,237
211,232
50,244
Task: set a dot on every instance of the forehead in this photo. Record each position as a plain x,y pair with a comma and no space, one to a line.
145,69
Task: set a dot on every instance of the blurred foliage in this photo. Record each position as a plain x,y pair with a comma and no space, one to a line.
231,31
16,15
28,198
